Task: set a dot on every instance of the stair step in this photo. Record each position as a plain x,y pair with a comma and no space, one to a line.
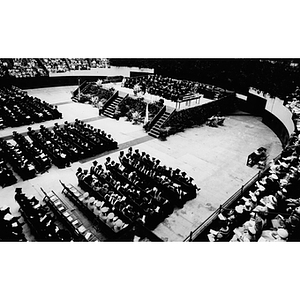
153,130
153,134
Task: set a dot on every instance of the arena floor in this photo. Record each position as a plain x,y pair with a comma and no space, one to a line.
214,157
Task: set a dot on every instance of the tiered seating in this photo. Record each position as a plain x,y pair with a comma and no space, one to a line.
71,142
10,227
97,209
271,210
56,65
18,159
43,225
99,62
17,108
79,63
26,67
140,187
78,230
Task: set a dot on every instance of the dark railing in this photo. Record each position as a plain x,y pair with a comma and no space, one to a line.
111,99
156,118
112,79
237,195
81,87
169,117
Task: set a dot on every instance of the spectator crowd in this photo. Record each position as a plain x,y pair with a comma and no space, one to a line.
270,211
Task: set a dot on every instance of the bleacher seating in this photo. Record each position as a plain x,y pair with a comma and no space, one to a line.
79,64
270,211
99,62
56,65
26,67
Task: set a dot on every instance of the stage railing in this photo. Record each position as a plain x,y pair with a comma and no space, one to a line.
156,118
110,100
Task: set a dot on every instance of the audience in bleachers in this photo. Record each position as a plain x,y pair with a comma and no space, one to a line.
79,64
138,187
99,62
17,108
56,65
26,67
270,212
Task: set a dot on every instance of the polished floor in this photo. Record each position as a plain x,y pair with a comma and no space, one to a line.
214,157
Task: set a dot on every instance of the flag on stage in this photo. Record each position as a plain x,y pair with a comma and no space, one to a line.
147,114
78,89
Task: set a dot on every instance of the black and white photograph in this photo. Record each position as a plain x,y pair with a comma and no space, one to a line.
149,150
144,150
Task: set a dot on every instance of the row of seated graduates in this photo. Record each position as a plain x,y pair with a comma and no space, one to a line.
68,217
99,212
165,87
71,142
271,211
40,160
7,177
43,224
17,108
102,188
19,160
149,207
148,201
172,184
10,226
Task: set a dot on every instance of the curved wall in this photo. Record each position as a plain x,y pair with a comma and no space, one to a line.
275,115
